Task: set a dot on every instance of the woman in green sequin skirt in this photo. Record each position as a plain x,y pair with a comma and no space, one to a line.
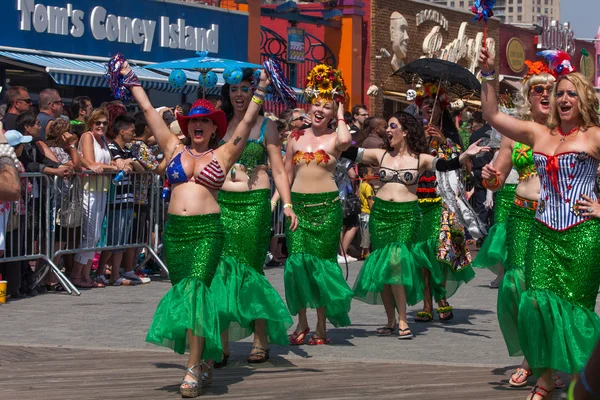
187,316
396,220
248,304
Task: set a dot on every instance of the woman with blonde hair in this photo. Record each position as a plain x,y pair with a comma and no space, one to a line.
96,158
557,325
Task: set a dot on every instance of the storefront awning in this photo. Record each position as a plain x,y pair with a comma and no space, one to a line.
514,82
75,72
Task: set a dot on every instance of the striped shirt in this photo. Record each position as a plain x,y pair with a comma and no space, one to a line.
564,178
122,194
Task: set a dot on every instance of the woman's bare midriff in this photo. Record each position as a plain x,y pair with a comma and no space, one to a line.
529,188
315,178
259,179
397,192
190,198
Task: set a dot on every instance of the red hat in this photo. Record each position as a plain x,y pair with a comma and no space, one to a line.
204,109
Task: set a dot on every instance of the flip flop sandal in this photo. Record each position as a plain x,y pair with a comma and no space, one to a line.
385,331
540,391
261,356
424,316
314,341
296,339
445,310
521,373
406,336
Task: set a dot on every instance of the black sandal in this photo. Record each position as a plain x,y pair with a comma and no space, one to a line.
223,362
447,308
385,331
424,316
261,356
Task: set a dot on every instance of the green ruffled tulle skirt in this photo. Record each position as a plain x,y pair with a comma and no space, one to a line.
512,286
312,276
445,280
241,291
493,251
558,327
393,228
192,246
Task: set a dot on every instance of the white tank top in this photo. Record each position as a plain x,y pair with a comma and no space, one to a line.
102,156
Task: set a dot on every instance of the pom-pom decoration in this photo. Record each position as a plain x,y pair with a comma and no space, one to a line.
177,79
119,84
560,61
210,80
282,92
537,68
325,82
235,77
227,73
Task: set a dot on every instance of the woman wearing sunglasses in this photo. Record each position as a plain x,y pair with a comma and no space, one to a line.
396,216
247,302
96,158
503,251
557,325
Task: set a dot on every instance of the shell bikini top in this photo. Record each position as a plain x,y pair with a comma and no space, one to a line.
211,176
522,160
403,176
255,152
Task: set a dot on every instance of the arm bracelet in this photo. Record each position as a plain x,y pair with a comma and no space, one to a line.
491,185
288,205
262,89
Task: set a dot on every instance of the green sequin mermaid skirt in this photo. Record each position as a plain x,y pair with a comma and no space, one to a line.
241,291
433,253
312,276
192,246
512,286
558,327
493,251
393,228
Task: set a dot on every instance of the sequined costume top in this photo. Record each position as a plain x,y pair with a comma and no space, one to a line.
255,152
522,160
211,176
564,178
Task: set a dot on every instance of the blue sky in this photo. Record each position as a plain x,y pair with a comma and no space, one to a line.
583,16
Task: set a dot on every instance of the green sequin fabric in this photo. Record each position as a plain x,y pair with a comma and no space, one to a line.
558,327
312,276
192,246
393,228
493,252
512,286
254,154
241,291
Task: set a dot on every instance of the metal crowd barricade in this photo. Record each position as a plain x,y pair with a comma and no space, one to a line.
94,212
27,229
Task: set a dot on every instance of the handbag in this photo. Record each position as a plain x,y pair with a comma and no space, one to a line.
351,205
68,215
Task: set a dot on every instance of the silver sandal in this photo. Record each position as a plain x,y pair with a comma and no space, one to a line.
205,378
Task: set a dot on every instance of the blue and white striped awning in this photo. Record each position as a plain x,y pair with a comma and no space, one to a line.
75,72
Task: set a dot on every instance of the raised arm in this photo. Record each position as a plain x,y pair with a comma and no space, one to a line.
231,150
166,140
280,176
344,139
516,129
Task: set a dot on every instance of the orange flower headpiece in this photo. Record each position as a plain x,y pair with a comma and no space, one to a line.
431,90
325,82
537,68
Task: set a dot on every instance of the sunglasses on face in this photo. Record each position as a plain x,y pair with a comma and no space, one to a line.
28,101
363,115
101,123
58,102
300,118
244,89
540,89
561,93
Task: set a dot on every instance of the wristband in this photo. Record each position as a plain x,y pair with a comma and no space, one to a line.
488,77
491,185
262,89
287,205
257,100
341,119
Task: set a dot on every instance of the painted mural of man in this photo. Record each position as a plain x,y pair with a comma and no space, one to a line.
399,38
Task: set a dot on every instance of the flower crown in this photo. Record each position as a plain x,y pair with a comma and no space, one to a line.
325,82
431,90
536,68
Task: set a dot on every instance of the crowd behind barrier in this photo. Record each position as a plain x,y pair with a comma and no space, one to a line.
61,217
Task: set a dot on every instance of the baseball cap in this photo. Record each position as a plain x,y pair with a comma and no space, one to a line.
15,138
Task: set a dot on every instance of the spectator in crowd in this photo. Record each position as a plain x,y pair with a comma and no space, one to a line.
121,202
81,107
365,195
51,107
10,190
344,177
374,134
359,115
17,101
185,108
481,130
95,157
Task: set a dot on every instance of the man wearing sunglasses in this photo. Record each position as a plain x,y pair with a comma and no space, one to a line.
51,107
359,115
17,101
